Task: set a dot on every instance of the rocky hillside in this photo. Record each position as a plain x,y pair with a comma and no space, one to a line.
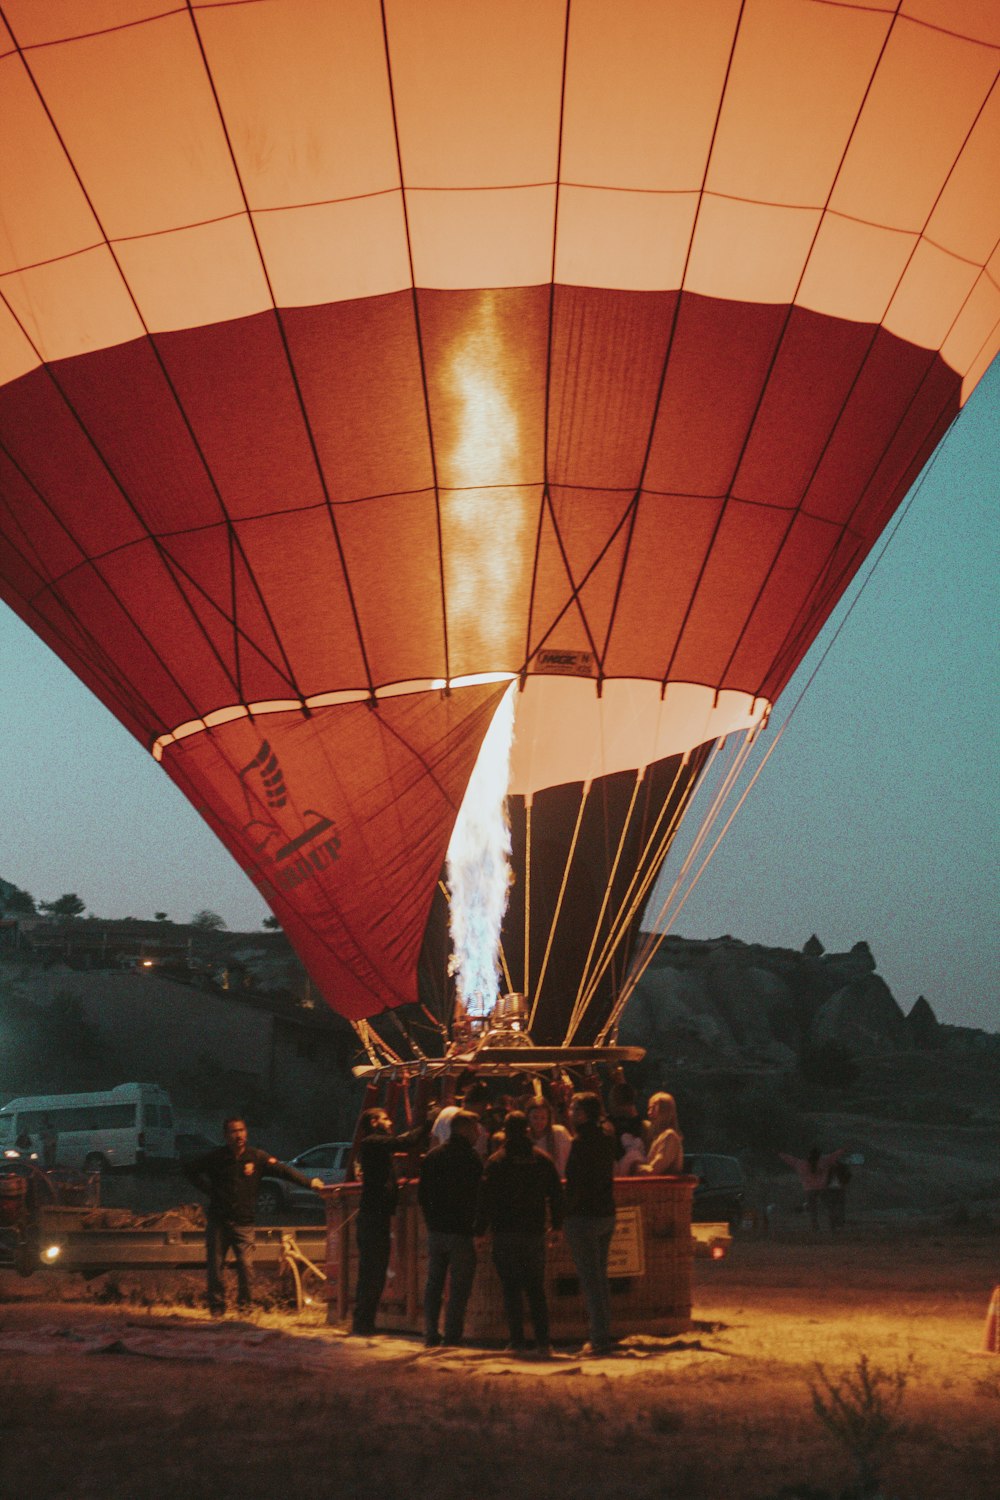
718,1002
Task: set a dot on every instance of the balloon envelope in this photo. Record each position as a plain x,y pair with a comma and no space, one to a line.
348,351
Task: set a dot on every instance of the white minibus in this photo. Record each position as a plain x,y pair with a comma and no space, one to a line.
121,1127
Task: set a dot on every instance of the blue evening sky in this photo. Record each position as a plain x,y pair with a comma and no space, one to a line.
875,818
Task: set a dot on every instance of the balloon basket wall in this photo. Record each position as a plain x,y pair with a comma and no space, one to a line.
649,1268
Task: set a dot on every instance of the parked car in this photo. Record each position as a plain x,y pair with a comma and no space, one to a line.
718,1196
327,1162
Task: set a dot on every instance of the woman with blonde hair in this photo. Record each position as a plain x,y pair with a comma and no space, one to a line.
666,1144
555,1140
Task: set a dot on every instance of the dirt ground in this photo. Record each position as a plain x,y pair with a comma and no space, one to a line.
144,1397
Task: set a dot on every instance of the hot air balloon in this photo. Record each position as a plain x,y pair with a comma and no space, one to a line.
359,360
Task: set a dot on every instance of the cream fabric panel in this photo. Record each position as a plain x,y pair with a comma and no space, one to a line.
335,251
975,328
492,238
855,268
771,244
634,241
193,277
73,306
930,297
564,733
17,356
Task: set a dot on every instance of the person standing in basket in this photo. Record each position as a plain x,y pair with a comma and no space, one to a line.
448,1193
590,1214
521,1184
231,1177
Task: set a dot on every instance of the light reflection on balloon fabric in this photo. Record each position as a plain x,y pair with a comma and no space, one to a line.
485,517
479,867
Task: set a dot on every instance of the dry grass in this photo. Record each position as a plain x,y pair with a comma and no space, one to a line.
726,1413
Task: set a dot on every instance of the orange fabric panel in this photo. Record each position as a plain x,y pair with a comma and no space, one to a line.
637,114
979,20
56,20
304,92
136,115
963,221
924,99
346,838
45,213
798,78
477,88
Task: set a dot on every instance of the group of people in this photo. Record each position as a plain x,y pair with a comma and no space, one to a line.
824,1180
524,1180
525,1184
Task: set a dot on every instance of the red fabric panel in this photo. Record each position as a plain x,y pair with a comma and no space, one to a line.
742,553
157,466
796,574
718,363
608,351
235,384
348,835
669,547
38,429
798,411
585,531
393,561
358,366
878,403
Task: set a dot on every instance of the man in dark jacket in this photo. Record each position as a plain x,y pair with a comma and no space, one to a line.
590,1213
231,1177
519,1185
448,1192
379,1196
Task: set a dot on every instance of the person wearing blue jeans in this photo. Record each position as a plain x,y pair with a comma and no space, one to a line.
590,1214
